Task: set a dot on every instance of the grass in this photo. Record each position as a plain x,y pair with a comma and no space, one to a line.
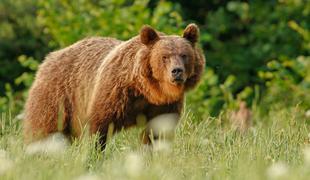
275,148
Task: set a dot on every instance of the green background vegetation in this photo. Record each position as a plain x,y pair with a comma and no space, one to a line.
256,51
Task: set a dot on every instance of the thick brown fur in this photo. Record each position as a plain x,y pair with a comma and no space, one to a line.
98,81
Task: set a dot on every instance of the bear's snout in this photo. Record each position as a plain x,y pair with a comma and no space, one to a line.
177,74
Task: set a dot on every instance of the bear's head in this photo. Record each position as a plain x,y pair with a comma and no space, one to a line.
171,61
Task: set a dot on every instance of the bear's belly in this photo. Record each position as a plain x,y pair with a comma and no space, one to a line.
136,113
140,112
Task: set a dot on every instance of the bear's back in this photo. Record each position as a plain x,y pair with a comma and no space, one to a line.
70,73
76,62
86,53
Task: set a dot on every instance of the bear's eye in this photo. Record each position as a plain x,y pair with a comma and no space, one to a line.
165,57
183,56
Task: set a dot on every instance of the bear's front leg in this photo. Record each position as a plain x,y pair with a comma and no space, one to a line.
104,122
108,107
100,127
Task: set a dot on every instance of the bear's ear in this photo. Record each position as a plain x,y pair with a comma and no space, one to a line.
148,35
191,33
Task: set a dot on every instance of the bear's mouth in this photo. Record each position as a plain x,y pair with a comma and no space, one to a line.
178,81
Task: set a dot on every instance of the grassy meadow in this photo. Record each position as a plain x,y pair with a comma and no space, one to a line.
275,147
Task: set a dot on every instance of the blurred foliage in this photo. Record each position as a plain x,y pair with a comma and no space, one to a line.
19,35
241,37
13,101
256,51
211,96
288,81
241,40
68,22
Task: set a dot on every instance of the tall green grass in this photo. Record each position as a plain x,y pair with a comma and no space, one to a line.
274,148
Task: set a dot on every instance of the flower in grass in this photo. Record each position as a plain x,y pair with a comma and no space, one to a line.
206,141
306,152
161,146
277,170
133,164
163,126
54,144
307,113
5,162
88,176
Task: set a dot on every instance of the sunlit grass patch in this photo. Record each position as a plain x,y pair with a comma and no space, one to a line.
277,146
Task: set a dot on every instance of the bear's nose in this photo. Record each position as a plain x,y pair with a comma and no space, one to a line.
176,72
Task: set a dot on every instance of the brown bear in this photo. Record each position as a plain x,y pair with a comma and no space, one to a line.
98,81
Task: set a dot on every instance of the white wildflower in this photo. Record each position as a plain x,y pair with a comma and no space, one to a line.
307,114
205,141
54,144
161,146
163,125
306,152
20,116
133,164
3,154
277,170
5,162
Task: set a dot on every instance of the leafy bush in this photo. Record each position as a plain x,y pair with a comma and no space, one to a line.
288,81
211,96
19,35
68,22
240,37
13,101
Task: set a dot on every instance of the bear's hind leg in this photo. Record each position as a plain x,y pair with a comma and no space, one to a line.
44,113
